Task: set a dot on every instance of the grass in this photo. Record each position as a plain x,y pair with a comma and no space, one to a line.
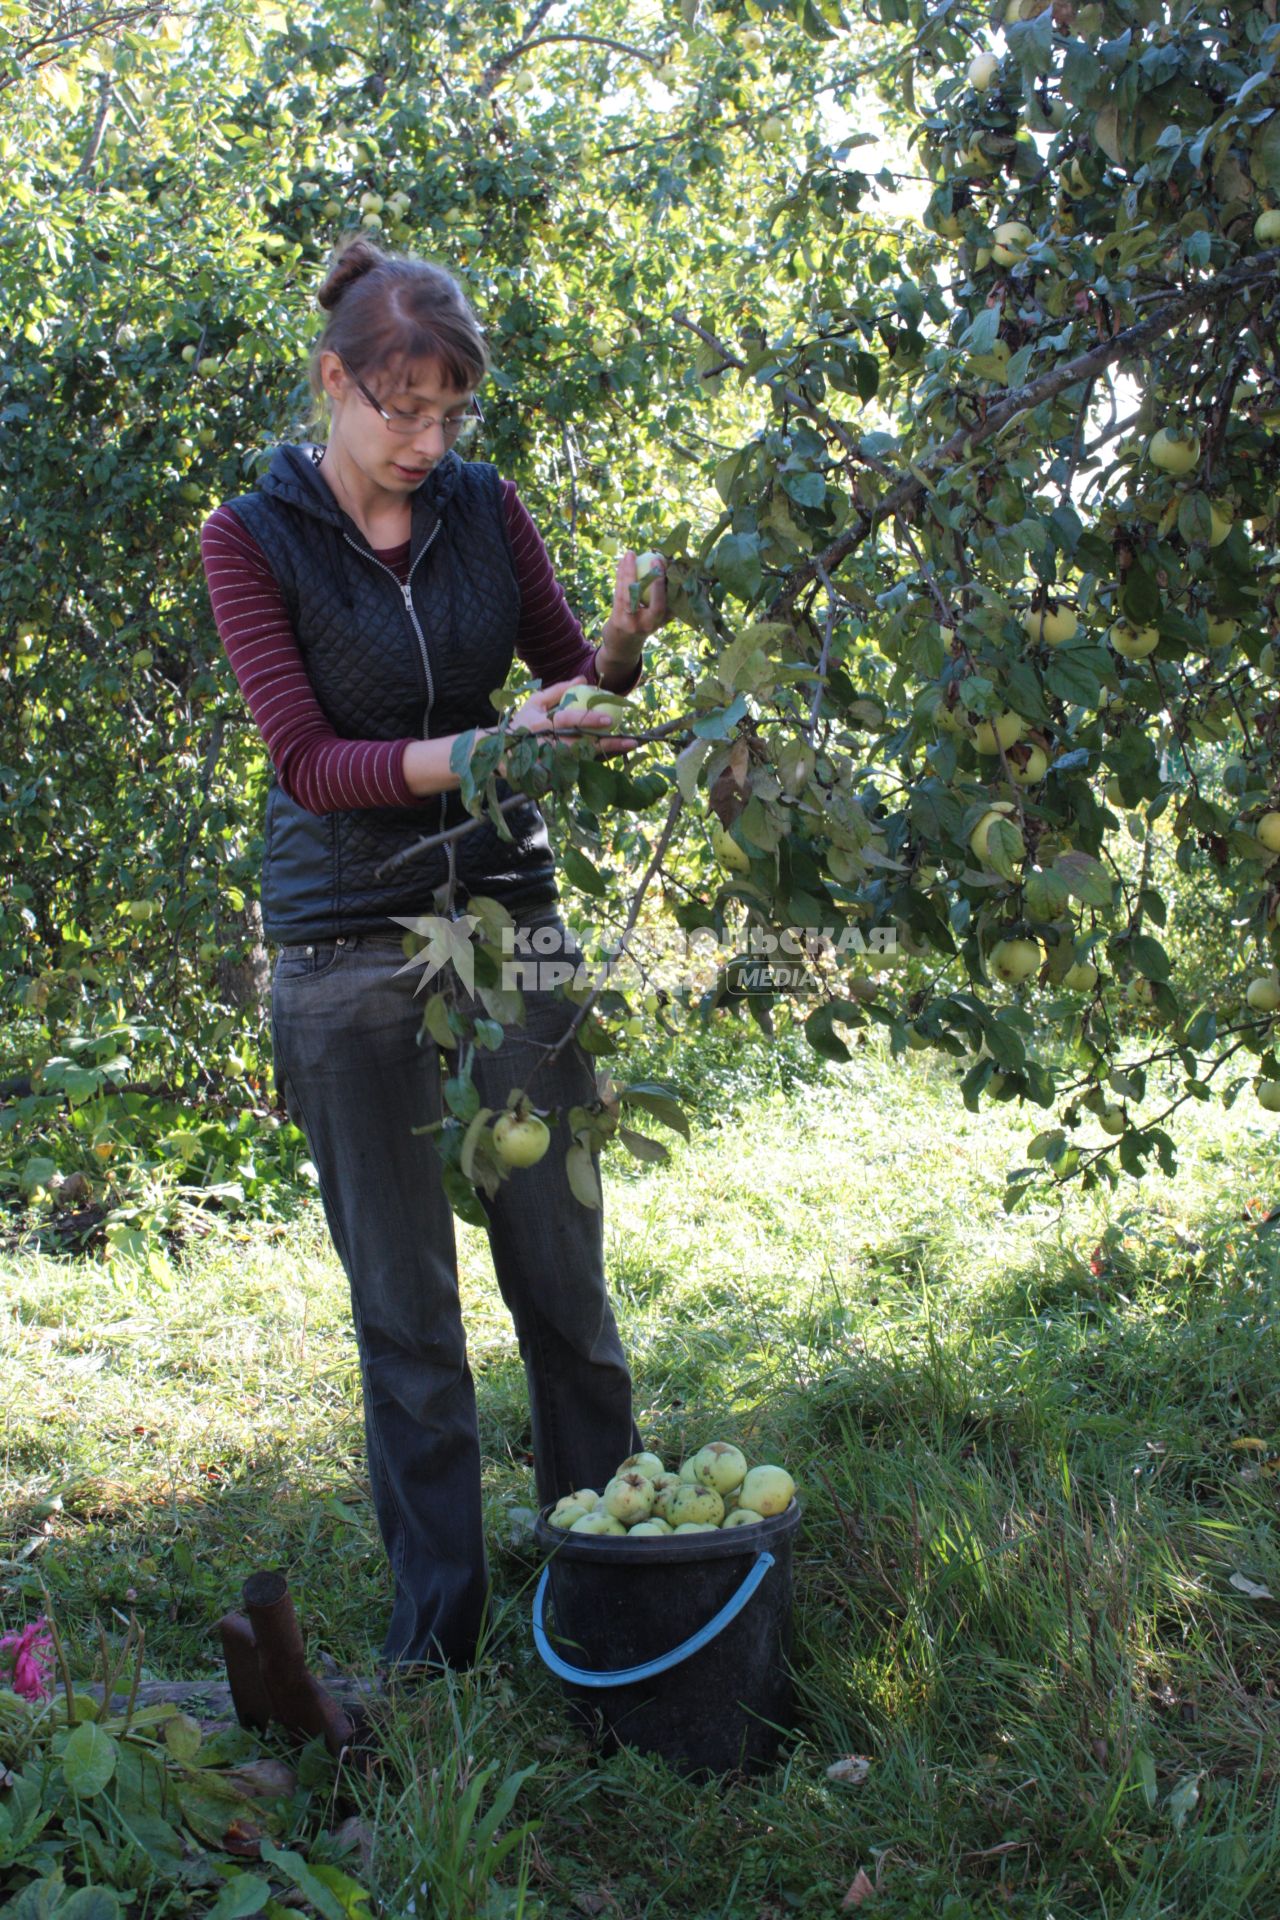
1021,1449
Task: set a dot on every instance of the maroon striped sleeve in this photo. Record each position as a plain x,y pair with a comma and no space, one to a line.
315,766
549,640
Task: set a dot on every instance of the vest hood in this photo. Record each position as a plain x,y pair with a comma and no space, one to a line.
294,477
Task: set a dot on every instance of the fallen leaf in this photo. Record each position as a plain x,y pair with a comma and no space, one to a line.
1248,1446
851,1771
1250,1588
861,1890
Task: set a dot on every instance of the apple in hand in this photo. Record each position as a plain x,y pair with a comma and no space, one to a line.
649,567
520,1140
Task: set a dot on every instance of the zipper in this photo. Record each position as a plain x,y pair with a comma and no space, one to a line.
406,590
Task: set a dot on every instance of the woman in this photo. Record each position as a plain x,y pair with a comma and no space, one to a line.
371,594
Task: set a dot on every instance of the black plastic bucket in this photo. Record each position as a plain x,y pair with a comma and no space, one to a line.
677,1644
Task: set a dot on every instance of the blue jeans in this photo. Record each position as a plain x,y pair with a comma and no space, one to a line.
356,1079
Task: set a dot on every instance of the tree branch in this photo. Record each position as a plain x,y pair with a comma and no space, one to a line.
1086,367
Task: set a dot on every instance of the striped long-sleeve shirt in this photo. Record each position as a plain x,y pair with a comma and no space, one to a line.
321,770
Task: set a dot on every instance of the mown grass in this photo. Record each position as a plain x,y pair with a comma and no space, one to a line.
1018,1440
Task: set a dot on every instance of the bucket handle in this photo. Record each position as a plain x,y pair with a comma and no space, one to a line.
648,1669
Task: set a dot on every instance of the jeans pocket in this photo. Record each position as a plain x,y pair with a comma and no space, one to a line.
306,962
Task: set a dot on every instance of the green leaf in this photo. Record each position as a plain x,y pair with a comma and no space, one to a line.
658,1101
435,1018
241,1895
88,1759
1145,1767
583,1179
641,1146
820,1027
90,1903
293,1867
808,489
182,1736
355,1899
735,561
1086,877
581,872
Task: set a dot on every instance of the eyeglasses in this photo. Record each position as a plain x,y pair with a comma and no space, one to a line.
459,428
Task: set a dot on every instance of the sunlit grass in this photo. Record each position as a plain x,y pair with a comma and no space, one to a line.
1025,1502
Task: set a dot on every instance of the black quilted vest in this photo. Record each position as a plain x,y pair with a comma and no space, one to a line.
386,661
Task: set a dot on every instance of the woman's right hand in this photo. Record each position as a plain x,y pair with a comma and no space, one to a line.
538,714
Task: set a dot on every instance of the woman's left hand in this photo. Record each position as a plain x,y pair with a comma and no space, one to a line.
625,626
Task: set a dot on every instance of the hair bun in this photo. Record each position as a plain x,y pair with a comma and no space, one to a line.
350,263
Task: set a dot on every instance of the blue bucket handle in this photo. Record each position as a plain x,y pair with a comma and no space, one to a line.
648,1669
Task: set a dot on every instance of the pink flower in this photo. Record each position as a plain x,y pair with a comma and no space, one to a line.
30,1655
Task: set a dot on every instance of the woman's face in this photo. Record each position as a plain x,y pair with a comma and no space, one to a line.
398,462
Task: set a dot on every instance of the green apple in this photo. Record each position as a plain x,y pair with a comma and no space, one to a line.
664,1496
1266,228
741,1517
1028,765
649,1529
597,1522
1112,1119
720,1466
696,1526
1014,961
732,857
1221,632
209,366
1081,977
1012,238
766,1490
1268,831
686,1476
1263,994
1174,451
188,354
1134,643
1054,624
628,1497
983,69
989,736
1073,180
520,1141
978,838
646,1463
1221,520
1140,992
586,1497
566,1512
649,567
371,203
1268,1092
702,1505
